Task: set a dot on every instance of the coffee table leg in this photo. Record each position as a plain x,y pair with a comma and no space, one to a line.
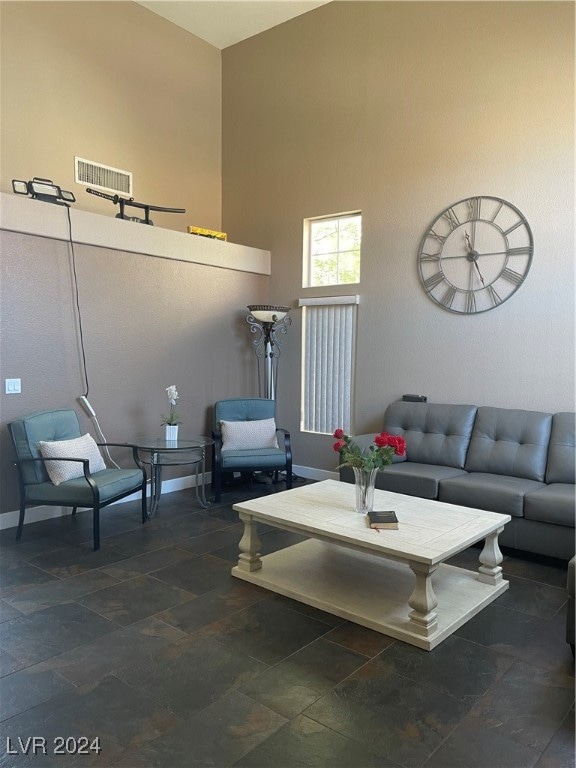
423,617
249,559
490,571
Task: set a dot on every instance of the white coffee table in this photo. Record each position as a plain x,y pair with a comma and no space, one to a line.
393,581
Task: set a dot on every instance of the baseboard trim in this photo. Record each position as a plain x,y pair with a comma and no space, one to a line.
310,473
37,514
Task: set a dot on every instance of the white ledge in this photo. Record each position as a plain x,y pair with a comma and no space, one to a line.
32,217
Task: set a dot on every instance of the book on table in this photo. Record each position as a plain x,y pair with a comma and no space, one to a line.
382,519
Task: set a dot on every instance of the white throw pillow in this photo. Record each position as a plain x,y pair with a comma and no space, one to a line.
79,448
248,435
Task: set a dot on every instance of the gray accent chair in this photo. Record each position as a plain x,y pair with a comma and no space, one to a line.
92,491
267,460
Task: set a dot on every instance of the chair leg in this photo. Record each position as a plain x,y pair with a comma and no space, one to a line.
217,481
144,507
96,526
74,510
20,521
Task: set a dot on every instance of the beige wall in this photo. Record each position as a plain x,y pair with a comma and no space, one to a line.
113,83
399,110
147,323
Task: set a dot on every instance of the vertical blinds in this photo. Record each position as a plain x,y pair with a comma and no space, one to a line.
329,341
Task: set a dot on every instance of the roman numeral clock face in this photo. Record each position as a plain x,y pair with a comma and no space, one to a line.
475,255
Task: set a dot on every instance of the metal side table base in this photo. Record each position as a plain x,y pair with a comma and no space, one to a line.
174,453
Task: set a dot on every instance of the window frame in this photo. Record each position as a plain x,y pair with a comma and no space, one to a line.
308,260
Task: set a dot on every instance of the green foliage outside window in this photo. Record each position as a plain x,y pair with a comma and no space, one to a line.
335,250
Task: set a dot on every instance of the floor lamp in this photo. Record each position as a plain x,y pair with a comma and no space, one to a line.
267,321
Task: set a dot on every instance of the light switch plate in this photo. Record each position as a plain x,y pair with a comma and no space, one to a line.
13,386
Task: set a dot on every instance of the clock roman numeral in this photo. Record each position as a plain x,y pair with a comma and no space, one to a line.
441,239
470,302
430,257
497,211
448,297
513,227
473,208
494,297
451,218
433,280
525,250
512,276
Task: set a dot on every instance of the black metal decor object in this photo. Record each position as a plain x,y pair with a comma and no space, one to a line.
44,190
146,207
267,345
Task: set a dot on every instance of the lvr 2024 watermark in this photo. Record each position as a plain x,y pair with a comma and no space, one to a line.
59,745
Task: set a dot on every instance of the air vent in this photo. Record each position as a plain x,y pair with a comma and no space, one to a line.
104,177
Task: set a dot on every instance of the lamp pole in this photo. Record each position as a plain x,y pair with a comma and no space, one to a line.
267,321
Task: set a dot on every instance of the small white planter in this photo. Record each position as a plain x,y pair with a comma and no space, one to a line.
171,432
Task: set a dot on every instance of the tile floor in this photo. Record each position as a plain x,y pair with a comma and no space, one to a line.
153,653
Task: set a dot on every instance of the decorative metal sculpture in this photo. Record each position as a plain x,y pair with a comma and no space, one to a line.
268,321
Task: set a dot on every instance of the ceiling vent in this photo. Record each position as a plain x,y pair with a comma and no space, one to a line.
104,177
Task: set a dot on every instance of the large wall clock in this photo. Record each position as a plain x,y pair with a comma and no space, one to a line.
475,255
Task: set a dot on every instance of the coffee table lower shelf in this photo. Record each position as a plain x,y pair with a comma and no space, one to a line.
370,590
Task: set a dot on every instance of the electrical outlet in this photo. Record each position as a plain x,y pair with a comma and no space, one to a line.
13,386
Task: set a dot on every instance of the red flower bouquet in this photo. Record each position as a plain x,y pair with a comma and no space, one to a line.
376,456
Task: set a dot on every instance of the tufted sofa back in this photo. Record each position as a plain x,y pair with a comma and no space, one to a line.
434,433
510,442
561,453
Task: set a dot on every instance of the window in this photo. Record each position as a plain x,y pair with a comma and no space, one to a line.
332,250
328,343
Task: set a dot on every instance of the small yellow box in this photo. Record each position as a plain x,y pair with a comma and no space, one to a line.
213,233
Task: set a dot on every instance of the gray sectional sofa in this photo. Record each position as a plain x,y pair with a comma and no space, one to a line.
520,463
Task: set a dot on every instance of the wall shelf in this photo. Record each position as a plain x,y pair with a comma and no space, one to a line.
32,217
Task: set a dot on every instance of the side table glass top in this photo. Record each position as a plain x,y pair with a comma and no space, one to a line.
157,443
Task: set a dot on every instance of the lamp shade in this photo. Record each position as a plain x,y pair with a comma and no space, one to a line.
267,313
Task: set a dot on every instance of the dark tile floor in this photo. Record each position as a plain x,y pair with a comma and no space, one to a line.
150,650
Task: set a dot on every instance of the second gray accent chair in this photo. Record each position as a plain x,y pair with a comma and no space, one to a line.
272,460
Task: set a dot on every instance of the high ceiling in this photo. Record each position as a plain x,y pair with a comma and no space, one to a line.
223,23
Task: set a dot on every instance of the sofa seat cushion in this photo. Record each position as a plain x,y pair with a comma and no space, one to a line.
262,458
494,493
110,482
414,479
553,504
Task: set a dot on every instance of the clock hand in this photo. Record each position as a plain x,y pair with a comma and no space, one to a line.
479,273
473,256
494,253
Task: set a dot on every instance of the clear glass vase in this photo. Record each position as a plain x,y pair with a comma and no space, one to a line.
364,480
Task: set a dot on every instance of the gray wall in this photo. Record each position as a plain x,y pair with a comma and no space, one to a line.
399,110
